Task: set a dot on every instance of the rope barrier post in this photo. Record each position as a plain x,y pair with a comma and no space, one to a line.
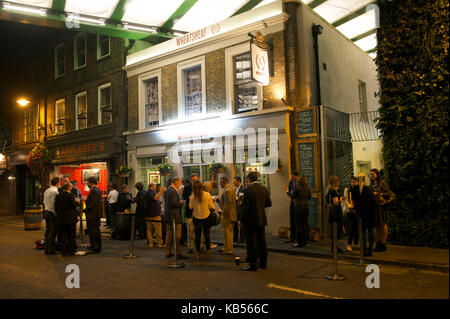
130,255
175,264
361,261
335,275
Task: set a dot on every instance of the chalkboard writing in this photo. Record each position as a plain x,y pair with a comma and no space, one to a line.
305,122
312,217
306,160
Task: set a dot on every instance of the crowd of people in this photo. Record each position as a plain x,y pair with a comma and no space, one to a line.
159,212
363,201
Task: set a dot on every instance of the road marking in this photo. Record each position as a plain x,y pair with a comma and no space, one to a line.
303,292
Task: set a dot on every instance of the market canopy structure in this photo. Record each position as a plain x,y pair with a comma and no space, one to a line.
156,21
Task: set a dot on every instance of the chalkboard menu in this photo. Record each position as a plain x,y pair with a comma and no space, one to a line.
306,160
305,122
312,217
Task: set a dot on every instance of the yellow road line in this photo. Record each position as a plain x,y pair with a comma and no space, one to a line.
299,291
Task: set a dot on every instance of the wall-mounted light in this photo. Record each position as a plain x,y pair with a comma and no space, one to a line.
23,102
284,101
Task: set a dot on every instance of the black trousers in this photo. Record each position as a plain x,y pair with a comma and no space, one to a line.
199,226
367,228
111,215
301,224
256,245
353,234
50,232
292,221
235,232
67,233
140,227
93,228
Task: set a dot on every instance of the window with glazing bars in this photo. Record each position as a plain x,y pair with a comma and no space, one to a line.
30,124
193,91
80,51
105,105
103,45
245,89
60,112
151,102
59,61
81,114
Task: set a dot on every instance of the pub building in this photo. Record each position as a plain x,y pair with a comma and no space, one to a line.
202,91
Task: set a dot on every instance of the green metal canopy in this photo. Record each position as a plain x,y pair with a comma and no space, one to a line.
158,20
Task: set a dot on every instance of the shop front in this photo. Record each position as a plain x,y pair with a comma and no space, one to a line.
199,146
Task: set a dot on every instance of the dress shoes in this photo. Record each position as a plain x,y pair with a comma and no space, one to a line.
249,268
169,255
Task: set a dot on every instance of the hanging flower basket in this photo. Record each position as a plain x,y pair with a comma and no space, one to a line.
123,171
39,159
165,169
216,168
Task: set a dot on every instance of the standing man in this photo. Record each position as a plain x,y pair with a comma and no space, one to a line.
238,232
113,197
93,214
256,199
153,214
227,203
289,189
187,191
65,180
50,216
172,211
66,219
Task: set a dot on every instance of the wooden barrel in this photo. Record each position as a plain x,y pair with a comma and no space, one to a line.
33,217
123,226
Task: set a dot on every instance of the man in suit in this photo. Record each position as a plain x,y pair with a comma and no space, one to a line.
172,211
238,232
94,212
66,219
289,189
227,203
256,199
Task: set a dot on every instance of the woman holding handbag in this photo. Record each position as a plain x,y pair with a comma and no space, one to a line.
201,204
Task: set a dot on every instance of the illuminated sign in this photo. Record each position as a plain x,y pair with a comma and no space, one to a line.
72,150
260,60
3,163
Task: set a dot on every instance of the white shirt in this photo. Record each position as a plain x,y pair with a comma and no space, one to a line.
201,209
113,196
50,198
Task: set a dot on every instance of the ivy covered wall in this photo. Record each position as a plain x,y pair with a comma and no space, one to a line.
412,61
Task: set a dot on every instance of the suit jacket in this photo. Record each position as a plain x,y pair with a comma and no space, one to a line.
172,205
66,209
187,191
94,209
227,203
256,199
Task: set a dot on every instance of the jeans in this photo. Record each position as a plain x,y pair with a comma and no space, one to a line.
301,225
202,225
50,232
93,228
353,235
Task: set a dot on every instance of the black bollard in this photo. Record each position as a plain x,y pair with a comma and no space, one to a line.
175,265
335,275
130,255
361,261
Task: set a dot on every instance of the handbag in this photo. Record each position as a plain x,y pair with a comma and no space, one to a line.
214,218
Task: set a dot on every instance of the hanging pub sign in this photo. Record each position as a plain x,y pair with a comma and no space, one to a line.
259,49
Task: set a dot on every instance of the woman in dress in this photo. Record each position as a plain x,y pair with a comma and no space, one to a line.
301,196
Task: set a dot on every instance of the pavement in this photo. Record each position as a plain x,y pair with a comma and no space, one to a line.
402,256
395,255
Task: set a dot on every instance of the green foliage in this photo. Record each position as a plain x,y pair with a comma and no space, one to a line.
412,61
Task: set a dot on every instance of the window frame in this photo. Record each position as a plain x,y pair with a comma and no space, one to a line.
230,53
57,117
99,88
75,55
77,124
99,56
31,119
56,61
181,68
142,112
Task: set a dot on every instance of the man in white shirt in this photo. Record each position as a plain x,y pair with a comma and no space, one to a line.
50,216
113,196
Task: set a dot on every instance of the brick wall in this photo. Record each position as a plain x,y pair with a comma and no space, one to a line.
215,81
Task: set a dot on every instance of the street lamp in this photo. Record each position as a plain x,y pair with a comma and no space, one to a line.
23,102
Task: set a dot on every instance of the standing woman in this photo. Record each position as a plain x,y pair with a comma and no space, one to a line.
334,208
141,226
201,203
382,196
362,200
351,213
301,196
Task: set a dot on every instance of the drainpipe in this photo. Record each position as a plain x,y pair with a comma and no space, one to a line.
125,83
316,30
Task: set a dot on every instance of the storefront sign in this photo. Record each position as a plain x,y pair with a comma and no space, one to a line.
306,160
81,149
260,64
305,122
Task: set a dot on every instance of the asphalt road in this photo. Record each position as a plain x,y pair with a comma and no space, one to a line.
27,273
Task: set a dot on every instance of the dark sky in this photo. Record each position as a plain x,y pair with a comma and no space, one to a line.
19,43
